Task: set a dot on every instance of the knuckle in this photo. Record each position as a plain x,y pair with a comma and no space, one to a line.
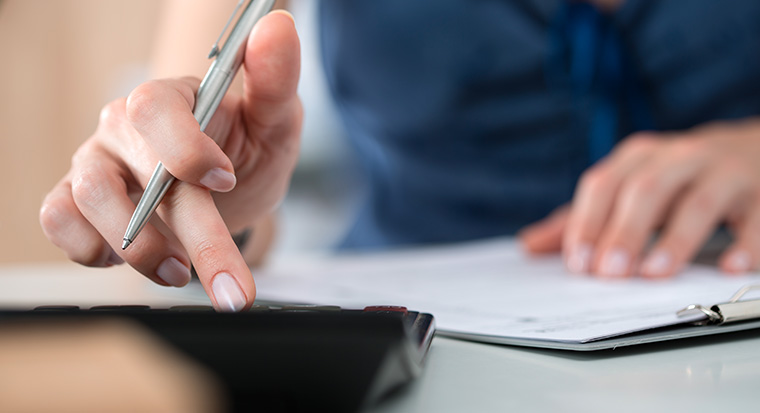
644,185
596,180
84,153
56,216
640,142
53,216
140,104
207,255
87,187
113,112
684,149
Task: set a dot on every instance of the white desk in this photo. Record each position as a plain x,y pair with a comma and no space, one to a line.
697,375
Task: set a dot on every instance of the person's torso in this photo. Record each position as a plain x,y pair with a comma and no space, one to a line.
463,133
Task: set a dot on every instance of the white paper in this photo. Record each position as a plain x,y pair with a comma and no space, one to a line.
491,288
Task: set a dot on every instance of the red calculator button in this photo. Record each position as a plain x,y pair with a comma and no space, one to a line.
393,308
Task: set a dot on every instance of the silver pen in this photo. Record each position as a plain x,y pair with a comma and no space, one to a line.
210,94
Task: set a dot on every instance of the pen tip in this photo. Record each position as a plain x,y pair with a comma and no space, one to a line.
125,244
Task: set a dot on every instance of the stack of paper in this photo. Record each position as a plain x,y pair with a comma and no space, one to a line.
491,291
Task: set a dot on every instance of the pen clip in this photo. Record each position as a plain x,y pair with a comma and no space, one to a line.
215,48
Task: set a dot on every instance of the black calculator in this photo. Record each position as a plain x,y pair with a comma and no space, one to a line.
284,358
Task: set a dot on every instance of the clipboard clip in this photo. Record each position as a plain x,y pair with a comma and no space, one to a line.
729,312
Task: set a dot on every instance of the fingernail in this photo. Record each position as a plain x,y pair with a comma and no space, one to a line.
614,263
219,180
229,296
739,261
173,272
657,264
284,12
114,259
579,259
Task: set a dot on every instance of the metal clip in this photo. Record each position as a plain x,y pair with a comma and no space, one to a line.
742,291
731,311
215,48
712,316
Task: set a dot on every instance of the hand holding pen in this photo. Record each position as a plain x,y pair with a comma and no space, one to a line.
250,144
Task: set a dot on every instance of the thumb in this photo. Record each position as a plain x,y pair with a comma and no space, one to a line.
272,67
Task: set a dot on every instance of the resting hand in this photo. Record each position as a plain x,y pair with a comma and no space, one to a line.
231,176
685,184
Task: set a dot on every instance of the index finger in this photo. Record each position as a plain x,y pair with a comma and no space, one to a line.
190,212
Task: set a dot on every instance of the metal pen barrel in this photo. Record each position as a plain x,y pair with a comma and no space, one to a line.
209,96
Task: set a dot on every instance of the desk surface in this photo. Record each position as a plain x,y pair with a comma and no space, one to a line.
703,375
696,375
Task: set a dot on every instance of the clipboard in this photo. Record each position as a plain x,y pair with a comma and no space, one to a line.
489,291
731,316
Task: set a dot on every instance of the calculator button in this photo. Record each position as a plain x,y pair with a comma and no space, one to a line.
130,308
105,308
57,308
192,309
386,309
316,308
134,307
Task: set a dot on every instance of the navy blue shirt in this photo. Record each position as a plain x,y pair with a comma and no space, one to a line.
473,118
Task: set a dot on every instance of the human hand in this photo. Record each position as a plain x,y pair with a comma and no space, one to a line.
251,145
686,183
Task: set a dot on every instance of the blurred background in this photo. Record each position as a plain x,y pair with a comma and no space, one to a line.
64,59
